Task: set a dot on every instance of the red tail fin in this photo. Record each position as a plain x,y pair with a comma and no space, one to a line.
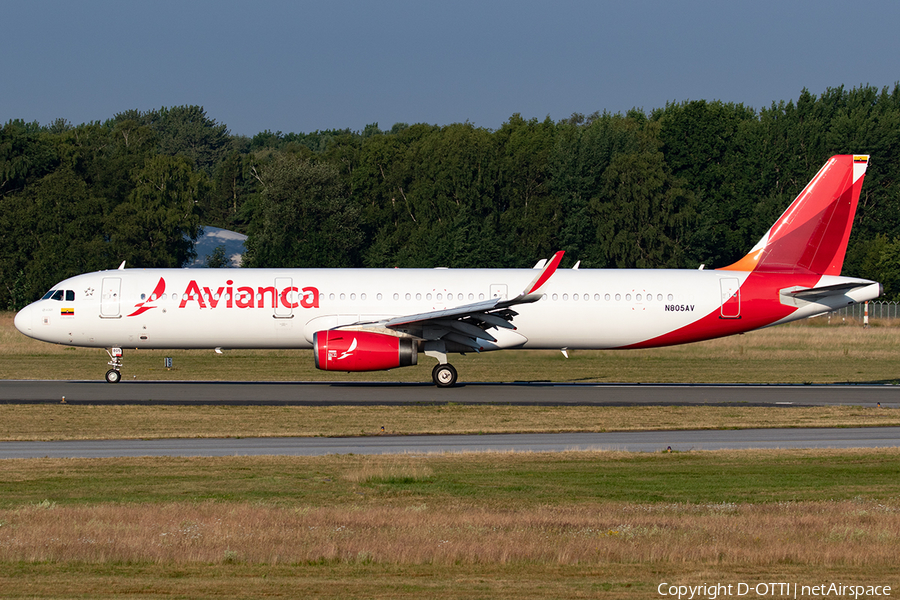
811,236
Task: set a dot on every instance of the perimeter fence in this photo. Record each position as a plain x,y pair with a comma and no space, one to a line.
878,310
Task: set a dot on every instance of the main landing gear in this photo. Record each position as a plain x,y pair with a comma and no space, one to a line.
443,374
114,375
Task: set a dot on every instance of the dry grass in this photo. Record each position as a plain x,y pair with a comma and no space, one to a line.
827,534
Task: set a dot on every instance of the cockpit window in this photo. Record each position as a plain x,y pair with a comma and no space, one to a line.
69,295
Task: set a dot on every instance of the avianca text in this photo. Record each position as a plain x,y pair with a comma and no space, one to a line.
249,297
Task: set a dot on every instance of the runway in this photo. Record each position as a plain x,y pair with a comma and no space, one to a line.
325,394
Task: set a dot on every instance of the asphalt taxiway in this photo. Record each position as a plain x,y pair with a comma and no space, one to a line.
341,393
629,441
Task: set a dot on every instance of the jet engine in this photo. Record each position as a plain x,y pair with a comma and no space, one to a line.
346,350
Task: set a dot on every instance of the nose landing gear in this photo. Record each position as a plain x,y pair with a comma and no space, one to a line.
114,375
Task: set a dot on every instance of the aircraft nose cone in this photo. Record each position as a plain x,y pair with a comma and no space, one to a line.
23,320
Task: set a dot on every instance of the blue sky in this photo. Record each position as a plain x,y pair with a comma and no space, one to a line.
296,66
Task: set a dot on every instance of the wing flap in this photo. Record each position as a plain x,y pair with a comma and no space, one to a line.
464,328
467,323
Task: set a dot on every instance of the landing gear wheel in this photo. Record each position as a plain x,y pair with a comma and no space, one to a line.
115,355
444,375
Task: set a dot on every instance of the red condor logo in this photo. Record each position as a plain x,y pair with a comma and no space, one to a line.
234,297
158,291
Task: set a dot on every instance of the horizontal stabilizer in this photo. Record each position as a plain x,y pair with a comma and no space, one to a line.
811,294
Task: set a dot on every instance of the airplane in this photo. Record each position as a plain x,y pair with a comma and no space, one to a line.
379,319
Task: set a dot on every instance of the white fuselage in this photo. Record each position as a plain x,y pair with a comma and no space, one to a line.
283,308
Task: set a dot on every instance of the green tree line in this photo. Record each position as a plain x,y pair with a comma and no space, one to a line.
692,183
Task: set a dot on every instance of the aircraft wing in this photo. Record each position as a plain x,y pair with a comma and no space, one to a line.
465,324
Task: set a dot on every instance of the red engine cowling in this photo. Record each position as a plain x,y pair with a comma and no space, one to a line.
338,350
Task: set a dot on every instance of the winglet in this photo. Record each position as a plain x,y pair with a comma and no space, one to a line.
545,274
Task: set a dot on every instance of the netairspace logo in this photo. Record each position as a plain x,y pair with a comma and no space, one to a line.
714,591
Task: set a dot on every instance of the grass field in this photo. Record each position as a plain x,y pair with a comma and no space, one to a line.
563,525
578,524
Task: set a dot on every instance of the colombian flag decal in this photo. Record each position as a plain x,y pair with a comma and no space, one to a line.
67,312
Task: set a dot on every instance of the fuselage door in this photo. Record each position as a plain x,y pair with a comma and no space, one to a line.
110,298
284,309
731,298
